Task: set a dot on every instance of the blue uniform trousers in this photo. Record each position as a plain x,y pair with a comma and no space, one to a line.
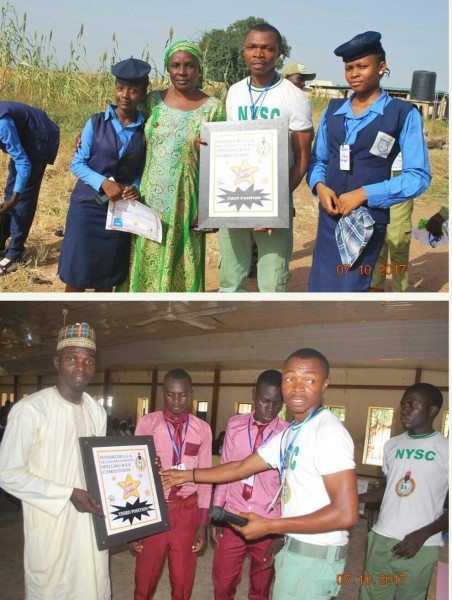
17,222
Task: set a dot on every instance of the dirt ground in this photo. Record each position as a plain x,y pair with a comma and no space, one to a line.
429,268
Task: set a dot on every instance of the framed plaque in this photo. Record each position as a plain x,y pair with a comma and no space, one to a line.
244,174
122,475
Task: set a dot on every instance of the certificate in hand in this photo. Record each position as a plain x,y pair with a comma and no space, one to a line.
122,474
134,217
244,174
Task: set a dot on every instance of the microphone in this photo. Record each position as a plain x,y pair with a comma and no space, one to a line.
217,513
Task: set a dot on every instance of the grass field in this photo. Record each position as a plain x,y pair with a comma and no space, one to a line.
69,94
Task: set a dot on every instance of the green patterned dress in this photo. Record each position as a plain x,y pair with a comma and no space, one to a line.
169,186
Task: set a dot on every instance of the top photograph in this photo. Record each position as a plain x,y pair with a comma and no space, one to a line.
300,150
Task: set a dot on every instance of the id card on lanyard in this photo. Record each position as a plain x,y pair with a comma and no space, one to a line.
351,131
344,157
178,448
250,480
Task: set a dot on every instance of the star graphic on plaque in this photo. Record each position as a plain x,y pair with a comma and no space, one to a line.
130,487
244,173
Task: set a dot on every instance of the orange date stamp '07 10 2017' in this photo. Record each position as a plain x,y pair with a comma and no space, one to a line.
367,579
396,269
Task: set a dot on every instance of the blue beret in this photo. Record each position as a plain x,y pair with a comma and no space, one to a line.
131,71
361,45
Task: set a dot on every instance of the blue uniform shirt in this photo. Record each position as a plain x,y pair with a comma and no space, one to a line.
415,177
9,138
79,166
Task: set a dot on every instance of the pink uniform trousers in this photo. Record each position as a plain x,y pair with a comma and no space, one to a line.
176,543
227,566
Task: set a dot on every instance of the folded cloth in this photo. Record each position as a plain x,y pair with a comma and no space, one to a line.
353,233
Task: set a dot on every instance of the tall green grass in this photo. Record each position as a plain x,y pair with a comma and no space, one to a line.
30,72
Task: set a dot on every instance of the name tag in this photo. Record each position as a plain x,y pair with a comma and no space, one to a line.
180,467
344,157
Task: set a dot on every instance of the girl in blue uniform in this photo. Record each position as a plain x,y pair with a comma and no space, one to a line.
108,163
350,171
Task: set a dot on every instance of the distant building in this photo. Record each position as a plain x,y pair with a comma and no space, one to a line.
435,109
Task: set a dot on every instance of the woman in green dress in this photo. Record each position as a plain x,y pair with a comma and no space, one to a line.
170,180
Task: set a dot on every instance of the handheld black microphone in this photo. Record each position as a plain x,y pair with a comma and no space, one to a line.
217,513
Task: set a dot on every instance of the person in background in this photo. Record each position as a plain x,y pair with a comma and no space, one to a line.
170,182
217,444
244,435
356,143
182,441
404,544
314,457
395,253
113,424
108,164
40,463
32,140
124,428
3,422
297,74
265,93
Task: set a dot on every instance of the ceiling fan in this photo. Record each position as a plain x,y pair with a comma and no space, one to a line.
175,312
28,338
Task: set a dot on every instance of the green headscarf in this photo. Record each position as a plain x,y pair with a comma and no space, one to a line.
185,46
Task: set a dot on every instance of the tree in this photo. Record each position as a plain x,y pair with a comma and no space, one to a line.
223,51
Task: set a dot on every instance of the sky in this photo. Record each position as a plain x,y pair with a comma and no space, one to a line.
415,33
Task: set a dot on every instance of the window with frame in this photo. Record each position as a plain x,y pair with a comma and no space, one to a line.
7,396
283,413
108,402
445,426
339,411
244,408
378,432
201,410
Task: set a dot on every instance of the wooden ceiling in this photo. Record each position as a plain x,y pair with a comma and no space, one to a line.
136,335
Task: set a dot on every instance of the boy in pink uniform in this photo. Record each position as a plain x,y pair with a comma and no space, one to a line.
244,434
182,441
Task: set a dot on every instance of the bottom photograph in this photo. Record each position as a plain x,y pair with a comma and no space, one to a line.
224,449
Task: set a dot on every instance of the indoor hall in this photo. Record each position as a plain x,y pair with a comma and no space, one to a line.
376,350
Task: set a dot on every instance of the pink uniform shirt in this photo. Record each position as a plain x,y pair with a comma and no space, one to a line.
196,450
238,444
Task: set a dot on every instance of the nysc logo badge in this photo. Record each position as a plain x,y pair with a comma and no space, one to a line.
286,492
140,462
405,486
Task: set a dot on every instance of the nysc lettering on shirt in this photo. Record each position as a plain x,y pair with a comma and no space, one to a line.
262,112
418,454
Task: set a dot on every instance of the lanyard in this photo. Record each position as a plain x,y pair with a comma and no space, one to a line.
262,93
263,441
177,450
283,459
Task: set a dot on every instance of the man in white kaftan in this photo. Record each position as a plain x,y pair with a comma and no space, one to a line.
40,463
